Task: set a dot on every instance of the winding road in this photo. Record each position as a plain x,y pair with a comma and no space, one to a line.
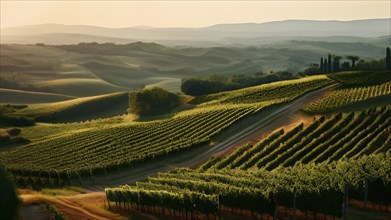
244,131
248,130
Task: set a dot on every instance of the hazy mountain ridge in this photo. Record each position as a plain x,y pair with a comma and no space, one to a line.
288,29
73,69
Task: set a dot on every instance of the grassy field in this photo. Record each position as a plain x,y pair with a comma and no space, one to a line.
12,96
79,109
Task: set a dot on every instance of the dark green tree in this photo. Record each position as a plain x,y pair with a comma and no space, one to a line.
9,200
321,65
371,65
152,101
312,69
329,64
353,59
198,87
345,66
325,64
388,58
336,63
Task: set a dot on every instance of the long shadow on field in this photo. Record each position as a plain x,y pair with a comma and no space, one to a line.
244,131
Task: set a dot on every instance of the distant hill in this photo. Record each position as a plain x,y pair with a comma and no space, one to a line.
91,69
79,109
222,33
82,60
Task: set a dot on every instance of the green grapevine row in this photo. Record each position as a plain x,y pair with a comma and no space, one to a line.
354,79
316,188
343,135
97,151
346,97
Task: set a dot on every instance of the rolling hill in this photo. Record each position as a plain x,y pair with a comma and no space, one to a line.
62,34
305,162
91,69
79,109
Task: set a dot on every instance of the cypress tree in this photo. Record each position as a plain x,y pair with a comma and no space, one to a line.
336,63
329,64
388,57
321,65
325,63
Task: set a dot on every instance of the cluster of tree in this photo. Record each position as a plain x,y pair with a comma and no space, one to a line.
9,200
220,83
11,136
371,65
333,64
7,118
153,101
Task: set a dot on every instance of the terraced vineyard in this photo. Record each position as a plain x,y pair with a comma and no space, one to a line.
283,91
342,136
282,168
313,188
97,151
358,79
340,98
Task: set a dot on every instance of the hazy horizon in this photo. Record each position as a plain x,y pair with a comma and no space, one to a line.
190,14
147,26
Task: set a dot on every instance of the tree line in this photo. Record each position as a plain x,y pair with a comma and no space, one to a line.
220,83
332,63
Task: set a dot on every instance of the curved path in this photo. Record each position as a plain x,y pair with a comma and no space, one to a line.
247,130
261,123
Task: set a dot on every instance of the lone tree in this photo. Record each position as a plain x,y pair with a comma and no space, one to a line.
388,58
353,59
153,101
329,64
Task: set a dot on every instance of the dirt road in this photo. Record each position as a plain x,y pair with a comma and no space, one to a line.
250,129
247,130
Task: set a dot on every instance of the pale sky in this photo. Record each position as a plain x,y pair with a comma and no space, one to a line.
184,13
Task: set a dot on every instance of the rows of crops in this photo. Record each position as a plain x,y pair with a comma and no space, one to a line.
341,136
315,188
346,97
358,79
94,152
283,90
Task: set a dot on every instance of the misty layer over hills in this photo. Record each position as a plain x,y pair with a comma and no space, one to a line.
242,33
59,62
